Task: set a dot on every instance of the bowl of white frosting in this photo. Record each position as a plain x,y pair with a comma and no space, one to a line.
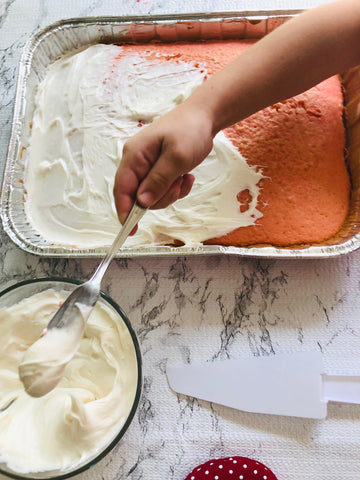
75,425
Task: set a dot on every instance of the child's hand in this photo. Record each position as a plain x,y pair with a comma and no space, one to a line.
156,161
291,59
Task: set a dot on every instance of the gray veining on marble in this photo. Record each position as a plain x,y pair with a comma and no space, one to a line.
209,308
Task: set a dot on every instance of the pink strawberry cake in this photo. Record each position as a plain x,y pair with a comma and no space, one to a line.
279,177
299,145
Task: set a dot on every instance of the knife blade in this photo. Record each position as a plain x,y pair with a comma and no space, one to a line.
284,384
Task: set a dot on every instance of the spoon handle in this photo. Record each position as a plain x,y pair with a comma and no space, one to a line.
135,215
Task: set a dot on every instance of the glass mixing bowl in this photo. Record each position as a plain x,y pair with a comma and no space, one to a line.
13,295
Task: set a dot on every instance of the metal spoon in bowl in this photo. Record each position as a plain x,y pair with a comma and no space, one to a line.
44,362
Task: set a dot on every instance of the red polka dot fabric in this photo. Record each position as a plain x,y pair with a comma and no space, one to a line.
231,468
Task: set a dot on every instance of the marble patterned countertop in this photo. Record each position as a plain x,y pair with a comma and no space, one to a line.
191,308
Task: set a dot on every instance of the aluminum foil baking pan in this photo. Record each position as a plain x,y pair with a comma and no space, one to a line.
65,36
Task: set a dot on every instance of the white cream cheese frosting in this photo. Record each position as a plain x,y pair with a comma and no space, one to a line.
84,413
44,362
88,105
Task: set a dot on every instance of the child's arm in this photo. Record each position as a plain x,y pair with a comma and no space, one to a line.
293,58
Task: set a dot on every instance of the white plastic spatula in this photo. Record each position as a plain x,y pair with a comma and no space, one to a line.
293,385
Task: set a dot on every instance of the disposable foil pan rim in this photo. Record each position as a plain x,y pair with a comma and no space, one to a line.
312,251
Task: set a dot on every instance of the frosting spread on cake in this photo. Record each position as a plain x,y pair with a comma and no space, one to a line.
88,105
80,417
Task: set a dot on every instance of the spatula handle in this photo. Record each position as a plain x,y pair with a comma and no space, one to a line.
341,388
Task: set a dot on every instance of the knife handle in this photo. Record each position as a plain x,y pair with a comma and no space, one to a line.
341,388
